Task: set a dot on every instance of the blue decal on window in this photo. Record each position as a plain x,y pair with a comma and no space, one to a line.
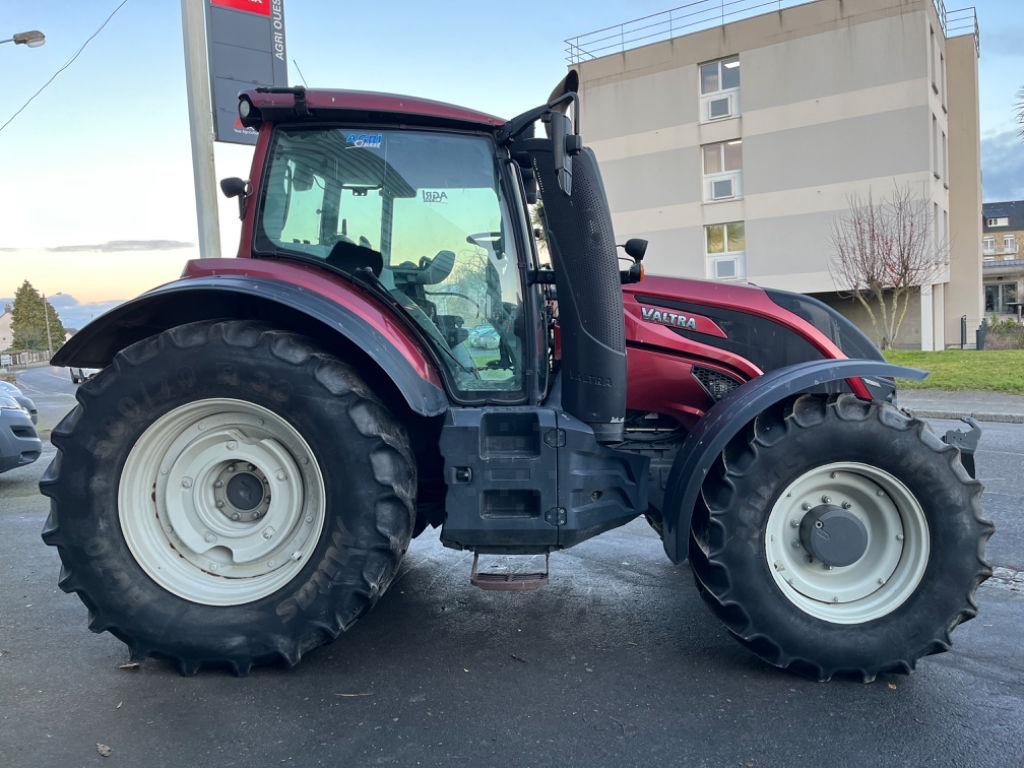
366,140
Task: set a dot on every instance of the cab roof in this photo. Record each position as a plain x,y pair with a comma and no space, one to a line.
300,104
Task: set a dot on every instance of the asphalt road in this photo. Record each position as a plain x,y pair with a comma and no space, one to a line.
616,663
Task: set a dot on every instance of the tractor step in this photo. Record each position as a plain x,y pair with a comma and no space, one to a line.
508,581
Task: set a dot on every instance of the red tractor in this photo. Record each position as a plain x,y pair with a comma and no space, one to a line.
388,352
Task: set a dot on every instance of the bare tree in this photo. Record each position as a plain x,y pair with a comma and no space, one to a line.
883,253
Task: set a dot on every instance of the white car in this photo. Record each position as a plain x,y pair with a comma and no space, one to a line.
78,375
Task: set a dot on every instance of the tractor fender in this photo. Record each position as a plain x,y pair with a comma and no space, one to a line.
255,298
728,416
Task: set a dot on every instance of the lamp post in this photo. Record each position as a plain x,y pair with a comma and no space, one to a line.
33,38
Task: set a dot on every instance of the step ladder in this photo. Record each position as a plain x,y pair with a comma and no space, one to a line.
508,581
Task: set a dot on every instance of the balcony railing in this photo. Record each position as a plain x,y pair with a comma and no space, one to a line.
1000,254
988,263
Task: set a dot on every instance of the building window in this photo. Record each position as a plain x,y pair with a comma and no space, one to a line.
1001,221
942,80
1001,298
726,246
720,89
988,244
933,52
1009,244
723,170
945,156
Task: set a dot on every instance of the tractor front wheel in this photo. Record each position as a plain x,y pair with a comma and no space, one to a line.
840,537
228,495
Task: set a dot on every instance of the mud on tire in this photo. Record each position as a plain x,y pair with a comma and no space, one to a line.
227,495
890,481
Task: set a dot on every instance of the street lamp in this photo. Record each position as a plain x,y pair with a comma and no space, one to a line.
33,38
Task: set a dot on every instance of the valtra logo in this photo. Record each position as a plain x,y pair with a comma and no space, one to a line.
697,323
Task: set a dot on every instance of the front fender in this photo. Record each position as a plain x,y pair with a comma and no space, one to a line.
277,303
728,416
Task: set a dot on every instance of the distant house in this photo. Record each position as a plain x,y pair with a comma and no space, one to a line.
6,334
1002,267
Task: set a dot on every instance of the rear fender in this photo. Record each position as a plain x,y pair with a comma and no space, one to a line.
376,339
728,416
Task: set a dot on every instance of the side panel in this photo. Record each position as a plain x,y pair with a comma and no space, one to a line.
728,416
529,480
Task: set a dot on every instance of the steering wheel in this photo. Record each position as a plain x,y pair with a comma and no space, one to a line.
485,239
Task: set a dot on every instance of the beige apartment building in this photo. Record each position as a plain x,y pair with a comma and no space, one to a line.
734,148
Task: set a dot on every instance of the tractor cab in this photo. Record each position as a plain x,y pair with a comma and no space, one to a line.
425,215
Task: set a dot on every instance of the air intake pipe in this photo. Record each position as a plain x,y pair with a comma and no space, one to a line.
585,261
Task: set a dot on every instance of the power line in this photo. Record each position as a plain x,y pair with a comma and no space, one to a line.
67,64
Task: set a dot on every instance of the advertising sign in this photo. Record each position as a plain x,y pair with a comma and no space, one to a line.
246,48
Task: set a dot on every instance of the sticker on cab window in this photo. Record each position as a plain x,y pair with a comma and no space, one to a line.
366,140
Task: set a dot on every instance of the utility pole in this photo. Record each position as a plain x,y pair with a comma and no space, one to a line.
46,315
200,118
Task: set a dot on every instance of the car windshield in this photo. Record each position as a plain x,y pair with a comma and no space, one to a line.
424,213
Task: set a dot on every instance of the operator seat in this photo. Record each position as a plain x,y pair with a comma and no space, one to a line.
348,257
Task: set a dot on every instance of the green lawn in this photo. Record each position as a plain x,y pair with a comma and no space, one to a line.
997,370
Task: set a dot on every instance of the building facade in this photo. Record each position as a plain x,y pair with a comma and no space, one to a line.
6,334
1002,265
734,149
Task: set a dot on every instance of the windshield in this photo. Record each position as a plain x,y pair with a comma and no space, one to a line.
424,213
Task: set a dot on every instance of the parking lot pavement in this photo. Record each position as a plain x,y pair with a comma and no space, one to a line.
616,663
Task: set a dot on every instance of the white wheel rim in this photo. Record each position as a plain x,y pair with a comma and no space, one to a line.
894,560
221,502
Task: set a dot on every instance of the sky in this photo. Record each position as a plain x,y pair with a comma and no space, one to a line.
96,186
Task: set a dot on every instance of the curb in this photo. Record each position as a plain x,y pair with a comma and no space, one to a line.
929,413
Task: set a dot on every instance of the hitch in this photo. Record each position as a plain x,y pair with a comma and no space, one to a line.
967,442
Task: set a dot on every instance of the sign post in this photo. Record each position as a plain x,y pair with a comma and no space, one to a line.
230,46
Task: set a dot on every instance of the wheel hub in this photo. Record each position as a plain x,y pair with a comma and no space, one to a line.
237,501
833,535
846,542
242,492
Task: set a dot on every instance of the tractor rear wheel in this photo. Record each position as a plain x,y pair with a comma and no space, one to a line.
840,537
228,495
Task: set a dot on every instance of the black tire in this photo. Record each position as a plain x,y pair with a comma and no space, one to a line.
921,562
228,495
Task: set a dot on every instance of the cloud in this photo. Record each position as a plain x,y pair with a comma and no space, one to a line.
1002,165
116,246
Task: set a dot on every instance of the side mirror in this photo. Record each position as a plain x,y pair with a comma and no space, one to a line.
564,144
635,248
235,187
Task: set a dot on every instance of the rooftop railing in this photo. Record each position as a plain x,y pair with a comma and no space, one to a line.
705,14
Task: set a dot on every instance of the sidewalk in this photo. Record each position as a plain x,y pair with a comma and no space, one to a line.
983,406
